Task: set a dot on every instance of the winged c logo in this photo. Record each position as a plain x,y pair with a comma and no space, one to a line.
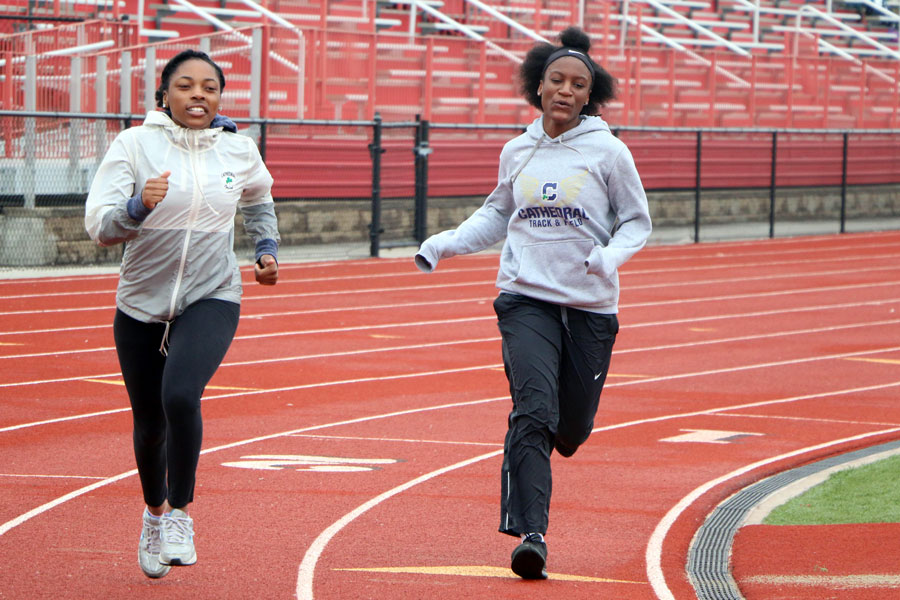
548,192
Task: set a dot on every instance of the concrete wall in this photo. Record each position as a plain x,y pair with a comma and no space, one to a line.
56,236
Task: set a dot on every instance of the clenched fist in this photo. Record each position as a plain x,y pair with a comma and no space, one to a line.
155,190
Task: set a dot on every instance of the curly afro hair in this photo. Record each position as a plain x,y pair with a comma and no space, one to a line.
603,88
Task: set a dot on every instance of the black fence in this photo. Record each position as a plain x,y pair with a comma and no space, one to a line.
366,186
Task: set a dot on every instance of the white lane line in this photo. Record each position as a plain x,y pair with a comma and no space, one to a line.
265,361
286,313
723,264
656,541
368,307
276,334
369,327
33,476
386,439
692,319
764,313
668,253
807,419
62,500
748,279
478,299
442,372
493,267
311,557
653,554
5,527
756,295
304,386
430,286
283,282
757,336
411,288
713,250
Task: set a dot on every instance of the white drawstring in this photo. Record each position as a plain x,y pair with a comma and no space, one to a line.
164,345
527,158
583,157
534,149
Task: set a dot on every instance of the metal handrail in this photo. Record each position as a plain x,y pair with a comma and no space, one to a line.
203,13
807,9
684,21
84,49
514,24
423,6
876,7
819,14
756,9
884,13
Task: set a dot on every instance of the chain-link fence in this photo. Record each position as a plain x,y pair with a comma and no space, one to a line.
353,188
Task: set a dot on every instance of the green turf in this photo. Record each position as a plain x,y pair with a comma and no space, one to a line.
867,494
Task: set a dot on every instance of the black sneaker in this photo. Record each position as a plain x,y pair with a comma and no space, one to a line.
530,557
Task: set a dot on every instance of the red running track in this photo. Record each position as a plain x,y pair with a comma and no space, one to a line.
353,436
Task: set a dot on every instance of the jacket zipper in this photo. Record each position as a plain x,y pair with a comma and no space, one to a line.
195,205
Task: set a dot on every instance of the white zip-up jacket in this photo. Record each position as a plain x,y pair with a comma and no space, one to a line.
182,251
572,209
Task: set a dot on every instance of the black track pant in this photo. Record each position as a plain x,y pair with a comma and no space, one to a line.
556,360
165,392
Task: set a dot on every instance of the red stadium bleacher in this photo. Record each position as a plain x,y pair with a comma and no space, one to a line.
679,63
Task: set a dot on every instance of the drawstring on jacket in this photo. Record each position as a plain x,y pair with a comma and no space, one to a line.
534,148
164,345
581,154
527,158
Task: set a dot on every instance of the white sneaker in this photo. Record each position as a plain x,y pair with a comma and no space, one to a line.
148,550
177,539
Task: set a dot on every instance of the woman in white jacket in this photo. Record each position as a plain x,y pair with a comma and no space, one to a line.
169,190
572,209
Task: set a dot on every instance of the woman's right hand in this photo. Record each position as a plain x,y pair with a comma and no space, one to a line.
155,190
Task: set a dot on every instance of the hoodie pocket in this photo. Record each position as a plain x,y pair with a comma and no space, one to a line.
554,266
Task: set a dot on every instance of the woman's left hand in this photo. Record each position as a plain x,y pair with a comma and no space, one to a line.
266,270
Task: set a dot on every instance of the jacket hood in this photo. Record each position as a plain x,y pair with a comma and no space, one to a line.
569,139
163,118
588,124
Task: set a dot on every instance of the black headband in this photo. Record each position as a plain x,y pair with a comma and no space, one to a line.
564,51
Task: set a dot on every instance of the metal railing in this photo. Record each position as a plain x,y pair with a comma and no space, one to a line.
410,184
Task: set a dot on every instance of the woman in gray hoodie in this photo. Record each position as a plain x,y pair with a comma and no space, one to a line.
169,190
572,208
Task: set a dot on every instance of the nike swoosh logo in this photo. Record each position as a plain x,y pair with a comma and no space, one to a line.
597,376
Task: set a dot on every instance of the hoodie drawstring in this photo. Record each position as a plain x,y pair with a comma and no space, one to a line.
527,158
583,157
534,148
164,346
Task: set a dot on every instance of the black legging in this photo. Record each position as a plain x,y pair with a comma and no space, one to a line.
165,392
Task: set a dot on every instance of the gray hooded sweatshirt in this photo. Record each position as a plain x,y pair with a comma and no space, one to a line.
572,209
182,250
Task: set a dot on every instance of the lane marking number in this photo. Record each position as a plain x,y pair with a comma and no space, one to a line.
302,462
708,436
